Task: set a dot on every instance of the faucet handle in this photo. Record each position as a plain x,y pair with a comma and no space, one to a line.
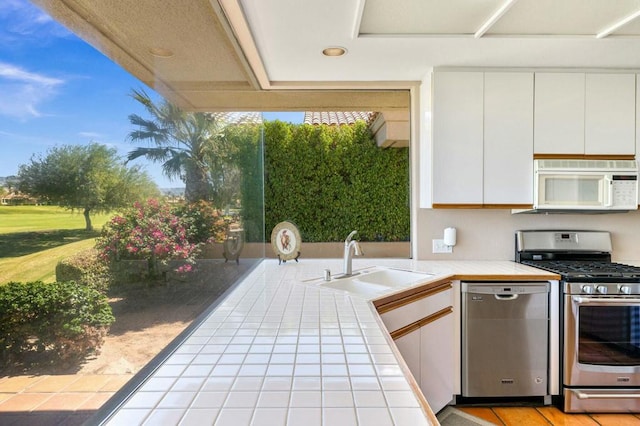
357,249
348,240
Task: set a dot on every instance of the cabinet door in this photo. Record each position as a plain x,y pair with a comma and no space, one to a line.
638,114
417,308
610,115
559,113
508,138
457,137
438,361
409,347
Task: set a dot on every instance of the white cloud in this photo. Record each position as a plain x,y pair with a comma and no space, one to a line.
22,22
11,72
23,91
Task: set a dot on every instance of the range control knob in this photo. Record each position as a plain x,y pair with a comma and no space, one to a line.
602,289
625,289
587,289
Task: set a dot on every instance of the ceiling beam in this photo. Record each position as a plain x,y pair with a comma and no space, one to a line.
300,100
617,25
230,13
494,18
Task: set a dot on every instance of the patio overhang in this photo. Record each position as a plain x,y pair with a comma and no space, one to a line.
200,55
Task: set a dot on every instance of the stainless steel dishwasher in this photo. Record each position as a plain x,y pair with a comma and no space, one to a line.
505,332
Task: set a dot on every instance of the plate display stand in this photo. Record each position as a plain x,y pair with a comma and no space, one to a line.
286,241
233,244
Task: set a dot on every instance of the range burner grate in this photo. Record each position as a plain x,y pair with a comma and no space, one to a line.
588,269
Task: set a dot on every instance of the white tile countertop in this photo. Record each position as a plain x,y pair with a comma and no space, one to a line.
281,350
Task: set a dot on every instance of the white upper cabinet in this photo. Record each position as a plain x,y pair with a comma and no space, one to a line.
585,114
483,138
638,113
559,113
457,137
487,127
508,138
610,115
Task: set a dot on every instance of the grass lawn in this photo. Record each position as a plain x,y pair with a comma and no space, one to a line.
33,239
41,218
39,266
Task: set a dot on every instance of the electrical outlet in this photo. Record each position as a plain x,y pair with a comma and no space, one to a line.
440,247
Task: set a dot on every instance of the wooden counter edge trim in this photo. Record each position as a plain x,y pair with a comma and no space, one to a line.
481,206
420,323
456,206
502,277
404,298
584,156
426,408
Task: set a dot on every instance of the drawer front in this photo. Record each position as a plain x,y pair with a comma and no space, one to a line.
421,308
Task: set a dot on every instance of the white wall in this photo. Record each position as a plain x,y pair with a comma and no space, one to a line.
489,234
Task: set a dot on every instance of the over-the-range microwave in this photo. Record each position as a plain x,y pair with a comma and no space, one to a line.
585,185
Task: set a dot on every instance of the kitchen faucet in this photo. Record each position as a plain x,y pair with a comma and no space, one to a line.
351,248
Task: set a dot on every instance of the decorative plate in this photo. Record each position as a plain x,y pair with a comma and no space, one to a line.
285,240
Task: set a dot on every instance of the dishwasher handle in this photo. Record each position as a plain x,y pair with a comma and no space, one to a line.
506,296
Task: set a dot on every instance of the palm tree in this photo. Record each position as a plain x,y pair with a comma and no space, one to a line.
186,143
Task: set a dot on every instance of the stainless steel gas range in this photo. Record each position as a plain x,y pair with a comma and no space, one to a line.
600,312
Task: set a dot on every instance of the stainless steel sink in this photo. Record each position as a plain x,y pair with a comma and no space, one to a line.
378,280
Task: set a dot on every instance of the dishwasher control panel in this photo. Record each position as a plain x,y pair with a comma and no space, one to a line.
505,288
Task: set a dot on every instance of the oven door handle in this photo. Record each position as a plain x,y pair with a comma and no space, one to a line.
582,395
609,301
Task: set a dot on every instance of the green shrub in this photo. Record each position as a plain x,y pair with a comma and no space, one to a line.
148,231
85,268
51,323
330,180
203,222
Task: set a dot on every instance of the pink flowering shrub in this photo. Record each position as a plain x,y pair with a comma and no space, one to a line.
205,224
149,231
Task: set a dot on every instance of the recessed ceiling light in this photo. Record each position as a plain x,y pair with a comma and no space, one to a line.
160,52
334,51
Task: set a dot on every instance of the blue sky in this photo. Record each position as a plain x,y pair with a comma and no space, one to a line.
56,90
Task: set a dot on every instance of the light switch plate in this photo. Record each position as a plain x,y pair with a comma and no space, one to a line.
440,247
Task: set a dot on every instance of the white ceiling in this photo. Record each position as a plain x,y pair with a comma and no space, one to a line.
401,39
266,54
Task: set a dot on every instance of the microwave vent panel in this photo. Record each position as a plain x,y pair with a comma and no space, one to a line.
587,165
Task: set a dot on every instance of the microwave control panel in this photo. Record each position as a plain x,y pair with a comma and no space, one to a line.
624,191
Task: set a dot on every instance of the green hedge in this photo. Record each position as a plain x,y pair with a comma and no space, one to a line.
51,323
85,268
330,180
250,160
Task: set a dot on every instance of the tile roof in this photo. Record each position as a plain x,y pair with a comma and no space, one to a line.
338,118
239,117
